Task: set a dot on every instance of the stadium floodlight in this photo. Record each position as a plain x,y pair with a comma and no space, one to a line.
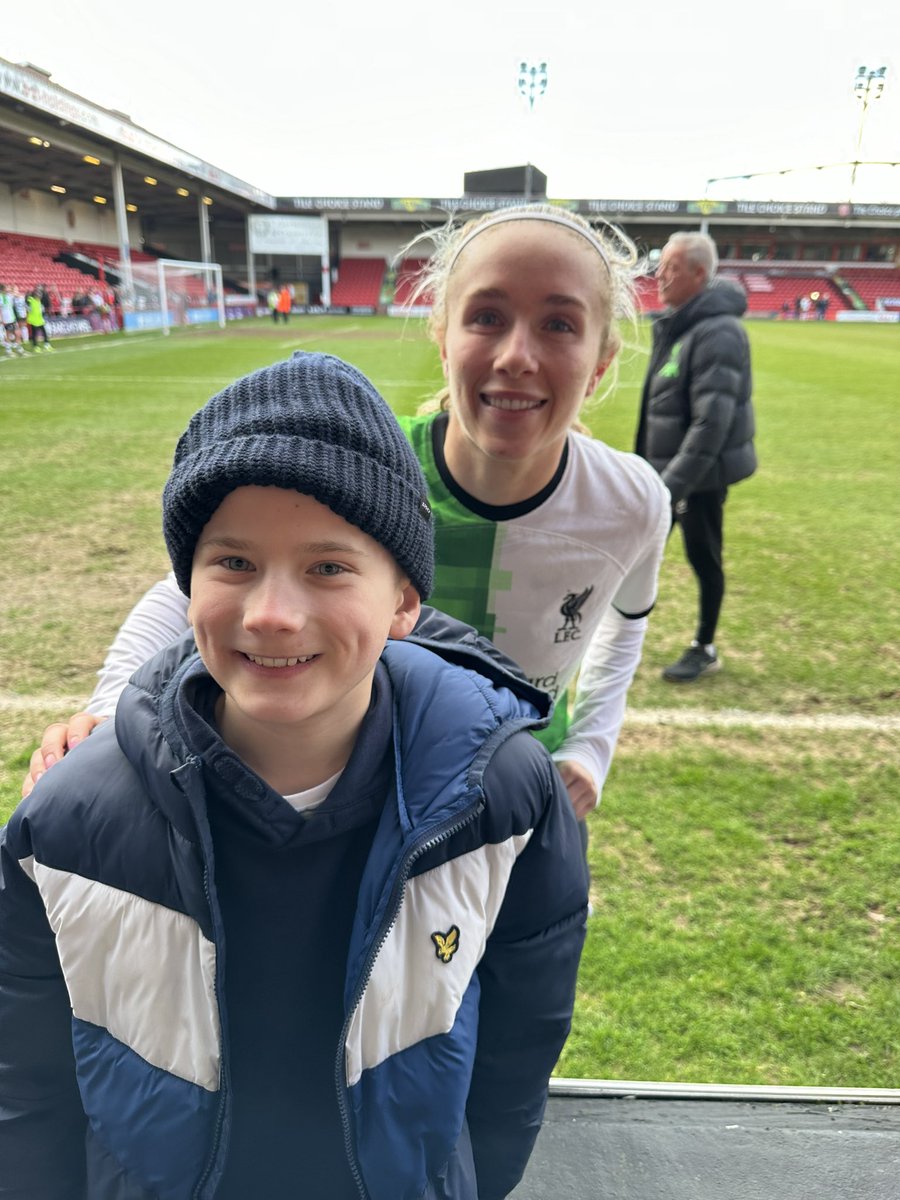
532,83
868,86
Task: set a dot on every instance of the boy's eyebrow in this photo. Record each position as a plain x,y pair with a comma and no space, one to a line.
332,548
223,542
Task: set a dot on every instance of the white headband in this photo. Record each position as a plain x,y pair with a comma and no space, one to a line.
518,214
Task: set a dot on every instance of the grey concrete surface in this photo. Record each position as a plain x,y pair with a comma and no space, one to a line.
650,1149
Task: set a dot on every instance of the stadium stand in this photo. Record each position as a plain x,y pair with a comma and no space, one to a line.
407,274
768,289
28,261
873,285
359,282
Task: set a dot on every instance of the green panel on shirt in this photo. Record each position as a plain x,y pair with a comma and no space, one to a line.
466,580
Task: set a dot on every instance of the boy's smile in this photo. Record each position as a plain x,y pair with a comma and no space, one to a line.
291,607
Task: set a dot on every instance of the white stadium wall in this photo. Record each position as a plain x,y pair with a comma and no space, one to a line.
376,240
42,215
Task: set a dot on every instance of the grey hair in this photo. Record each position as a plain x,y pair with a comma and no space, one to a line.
699,250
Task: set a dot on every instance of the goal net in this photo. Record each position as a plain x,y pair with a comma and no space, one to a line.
169,292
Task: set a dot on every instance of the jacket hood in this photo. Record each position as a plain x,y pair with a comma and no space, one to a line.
720,298
460,644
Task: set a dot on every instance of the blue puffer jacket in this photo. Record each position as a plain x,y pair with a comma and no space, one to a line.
460,973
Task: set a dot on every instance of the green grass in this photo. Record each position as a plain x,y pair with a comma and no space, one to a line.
744,881
746,903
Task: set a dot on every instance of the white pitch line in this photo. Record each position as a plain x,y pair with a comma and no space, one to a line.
139,380
65,705
319,336
735,718
728,718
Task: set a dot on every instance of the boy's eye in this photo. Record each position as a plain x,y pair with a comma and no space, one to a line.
235,563
560,325
329,568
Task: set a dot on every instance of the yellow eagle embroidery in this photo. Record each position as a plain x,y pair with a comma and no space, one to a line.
446,944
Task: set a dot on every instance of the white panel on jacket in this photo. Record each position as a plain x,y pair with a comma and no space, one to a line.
423,969
143,971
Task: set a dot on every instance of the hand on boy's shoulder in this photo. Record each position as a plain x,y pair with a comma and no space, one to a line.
56,741
581,787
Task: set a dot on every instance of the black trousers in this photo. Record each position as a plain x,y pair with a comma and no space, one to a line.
700,518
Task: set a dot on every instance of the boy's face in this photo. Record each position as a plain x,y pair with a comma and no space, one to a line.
291,606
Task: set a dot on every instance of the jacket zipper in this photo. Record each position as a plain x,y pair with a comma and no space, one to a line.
220,1115
197,764
431,840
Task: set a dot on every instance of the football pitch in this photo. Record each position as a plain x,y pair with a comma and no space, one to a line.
744,858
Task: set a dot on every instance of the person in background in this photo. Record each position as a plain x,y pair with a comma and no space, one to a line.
36,321
306,918
696,423
285,301
272,303
21,311
12,336
548,541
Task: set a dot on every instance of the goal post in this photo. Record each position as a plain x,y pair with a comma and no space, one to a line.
190,293
171,291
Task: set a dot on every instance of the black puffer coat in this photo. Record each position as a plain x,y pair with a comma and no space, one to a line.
696,426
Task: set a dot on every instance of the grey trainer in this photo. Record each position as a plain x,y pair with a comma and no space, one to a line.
693,663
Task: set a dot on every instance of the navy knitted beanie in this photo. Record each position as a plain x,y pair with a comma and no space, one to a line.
313,424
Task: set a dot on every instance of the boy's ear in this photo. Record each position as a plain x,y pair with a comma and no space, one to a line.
407,612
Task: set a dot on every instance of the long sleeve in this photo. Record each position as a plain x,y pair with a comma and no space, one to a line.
614,654
602,692
41,1118
158,618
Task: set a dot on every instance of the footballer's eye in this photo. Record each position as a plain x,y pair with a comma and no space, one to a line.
560,325
485,318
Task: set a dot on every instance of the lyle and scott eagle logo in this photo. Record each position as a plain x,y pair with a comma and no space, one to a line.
446,944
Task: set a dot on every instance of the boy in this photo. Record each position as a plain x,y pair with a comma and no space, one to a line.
317,900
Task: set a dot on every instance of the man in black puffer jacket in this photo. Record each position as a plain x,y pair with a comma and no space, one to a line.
696,424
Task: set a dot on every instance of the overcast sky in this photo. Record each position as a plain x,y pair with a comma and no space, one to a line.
648,99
